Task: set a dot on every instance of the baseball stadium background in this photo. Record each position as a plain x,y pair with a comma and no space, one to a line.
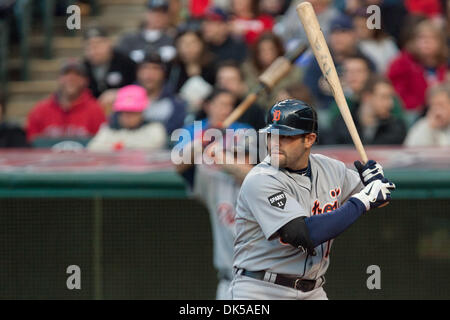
126,217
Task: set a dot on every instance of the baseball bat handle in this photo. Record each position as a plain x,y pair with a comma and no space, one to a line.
281,67
240,110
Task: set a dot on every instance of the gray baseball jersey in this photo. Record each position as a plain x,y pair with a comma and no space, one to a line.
271,197
219,191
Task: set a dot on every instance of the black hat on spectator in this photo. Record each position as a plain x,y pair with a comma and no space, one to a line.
341,23
161,5
216,14
94,32
154,58
361,12
73,65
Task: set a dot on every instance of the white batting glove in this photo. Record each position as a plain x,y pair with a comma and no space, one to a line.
370,171
376,193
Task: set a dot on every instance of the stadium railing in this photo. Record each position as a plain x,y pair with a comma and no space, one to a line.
4,49
23,16
47,8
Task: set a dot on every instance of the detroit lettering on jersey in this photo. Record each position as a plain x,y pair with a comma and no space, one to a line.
327,207
330,206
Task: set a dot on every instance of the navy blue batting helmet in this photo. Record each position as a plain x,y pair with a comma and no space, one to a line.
291,117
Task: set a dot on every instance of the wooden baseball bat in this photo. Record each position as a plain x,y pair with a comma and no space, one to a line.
269,79
317,41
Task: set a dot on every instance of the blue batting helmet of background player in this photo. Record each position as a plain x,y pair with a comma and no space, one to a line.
291,117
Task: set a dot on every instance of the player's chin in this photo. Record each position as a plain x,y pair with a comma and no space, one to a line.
278,159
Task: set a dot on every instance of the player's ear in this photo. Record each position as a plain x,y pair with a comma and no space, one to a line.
310,138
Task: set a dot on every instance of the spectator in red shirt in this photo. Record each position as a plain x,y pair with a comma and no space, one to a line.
71,111
197,8
248,23
421,64
429,8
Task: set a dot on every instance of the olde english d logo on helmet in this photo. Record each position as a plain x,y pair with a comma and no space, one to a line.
278,200
276,115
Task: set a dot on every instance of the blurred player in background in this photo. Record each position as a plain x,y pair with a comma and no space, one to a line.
217,107
217,186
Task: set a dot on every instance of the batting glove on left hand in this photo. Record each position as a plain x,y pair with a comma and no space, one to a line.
369,172
375,194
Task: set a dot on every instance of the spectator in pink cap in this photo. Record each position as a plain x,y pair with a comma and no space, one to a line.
129,130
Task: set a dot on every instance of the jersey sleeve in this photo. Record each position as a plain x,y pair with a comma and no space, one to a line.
352,184
270,203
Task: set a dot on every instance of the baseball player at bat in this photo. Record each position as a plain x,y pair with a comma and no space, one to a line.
292,205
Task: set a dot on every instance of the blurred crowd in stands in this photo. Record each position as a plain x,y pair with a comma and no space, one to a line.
176,69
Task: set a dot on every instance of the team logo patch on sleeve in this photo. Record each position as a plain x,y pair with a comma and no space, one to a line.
278,200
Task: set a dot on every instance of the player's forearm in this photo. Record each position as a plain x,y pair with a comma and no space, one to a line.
308,233
327,226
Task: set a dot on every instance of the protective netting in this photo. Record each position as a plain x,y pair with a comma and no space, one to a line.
410,242
161,249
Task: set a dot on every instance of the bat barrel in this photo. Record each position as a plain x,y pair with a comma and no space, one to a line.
317,41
